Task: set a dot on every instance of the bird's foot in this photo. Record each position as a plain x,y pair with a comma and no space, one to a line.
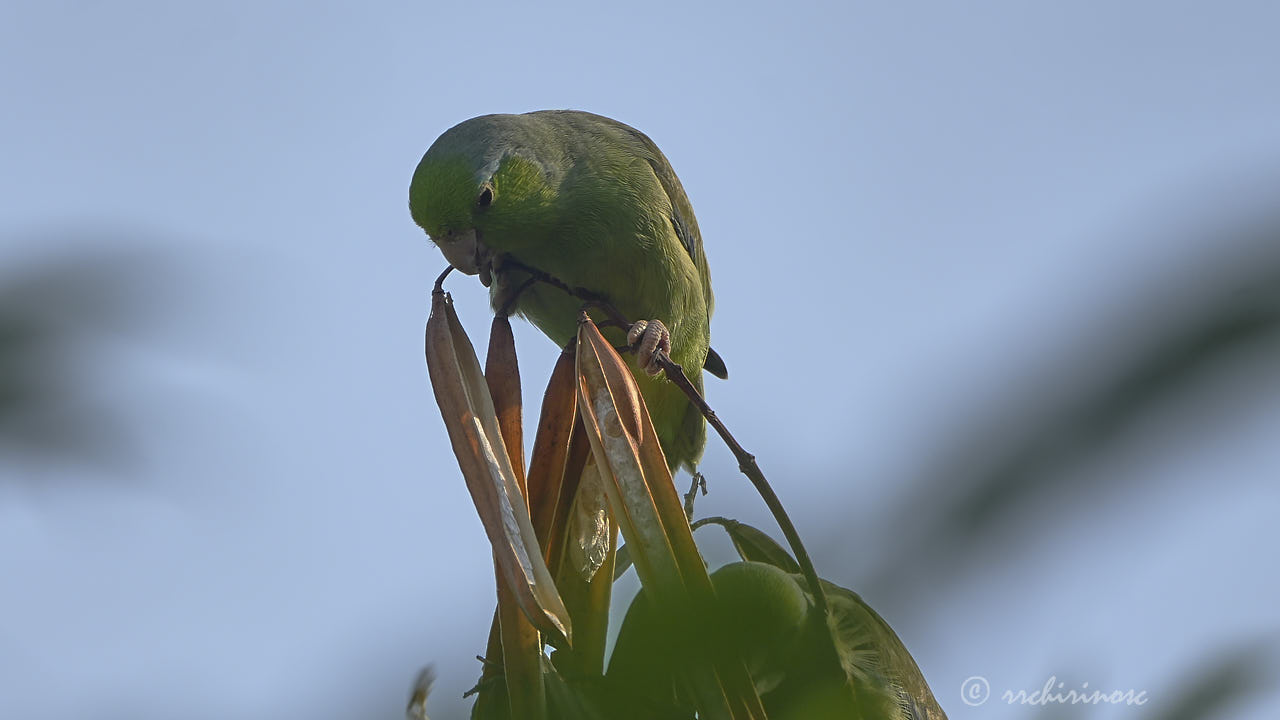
649,338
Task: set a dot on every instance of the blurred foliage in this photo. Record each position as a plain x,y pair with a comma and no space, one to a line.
1177,328
1210,690
1207,690
55,315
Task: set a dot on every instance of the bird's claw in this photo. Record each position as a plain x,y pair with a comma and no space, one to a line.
650,338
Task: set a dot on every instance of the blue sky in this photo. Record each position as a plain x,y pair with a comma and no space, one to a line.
912,215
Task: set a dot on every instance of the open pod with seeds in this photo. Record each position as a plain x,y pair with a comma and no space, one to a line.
755,639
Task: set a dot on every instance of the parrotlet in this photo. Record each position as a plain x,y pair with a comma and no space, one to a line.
595,204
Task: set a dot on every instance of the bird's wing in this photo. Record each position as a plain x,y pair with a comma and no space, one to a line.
686,228
682,219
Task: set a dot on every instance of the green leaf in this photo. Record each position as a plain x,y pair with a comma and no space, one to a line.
753,544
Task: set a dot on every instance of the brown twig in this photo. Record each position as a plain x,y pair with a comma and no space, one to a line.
675,373
592,299
747,465
699,482
439,286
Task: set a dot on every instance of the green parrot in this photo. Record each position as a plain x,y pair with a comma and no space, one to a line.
595,204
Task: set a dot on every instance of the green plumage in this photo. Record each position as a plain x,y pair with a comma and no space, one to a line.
593,203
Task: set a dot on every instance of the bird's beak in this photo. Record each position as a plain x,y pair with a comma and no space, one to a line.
463,250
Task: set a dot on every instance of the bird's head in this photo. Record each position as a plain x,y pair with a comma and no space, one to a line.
482,189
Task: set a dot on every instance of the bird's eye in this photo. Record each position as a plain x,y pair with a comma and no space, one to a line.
486,197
